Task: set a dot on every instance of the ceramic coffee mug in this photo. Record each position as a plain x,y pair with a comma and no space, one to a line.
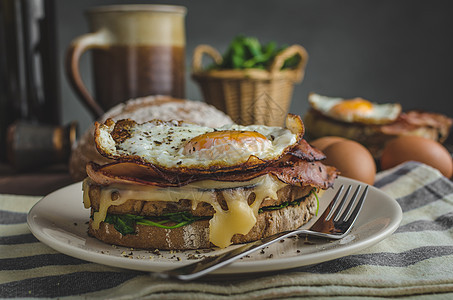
138,50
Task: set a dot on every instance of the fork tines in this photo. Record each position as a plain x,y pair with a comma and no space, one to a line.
353,207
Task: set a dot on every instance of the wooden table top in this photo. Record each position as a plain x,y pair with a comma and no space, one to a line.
34,183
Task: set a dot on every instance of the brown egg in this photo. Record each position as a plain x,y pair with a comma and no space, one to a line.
419,149
352,159
324,142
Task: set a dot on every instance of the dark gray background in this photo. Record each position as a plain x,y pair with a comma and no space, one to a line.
385,51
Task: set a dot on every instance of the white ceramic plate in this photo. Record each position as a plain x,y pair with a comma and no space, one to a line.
60,221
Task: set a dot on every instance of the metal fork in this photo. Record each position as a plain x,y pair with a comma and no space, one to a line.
332,224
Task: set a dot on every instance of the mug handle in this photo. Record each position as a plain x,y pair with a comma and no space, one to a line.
77,47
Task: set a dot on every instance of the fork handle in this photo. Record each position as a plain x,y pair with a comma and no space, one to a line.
211,263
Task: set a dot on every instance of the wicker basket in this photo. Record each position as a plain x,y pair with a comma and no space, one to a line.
250,96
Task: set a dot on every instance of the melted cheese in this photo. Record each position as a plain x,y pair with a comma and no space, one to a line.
86,196
238,219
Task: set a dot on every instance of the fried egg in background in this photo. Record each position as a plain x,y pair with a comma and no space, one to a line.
356,110
177,144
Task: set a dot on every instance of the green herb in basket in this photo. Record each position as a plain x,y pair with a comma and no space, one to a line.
247,52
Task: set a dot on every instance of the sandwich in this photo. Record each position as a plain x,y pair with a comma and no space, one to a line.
369,123
175,185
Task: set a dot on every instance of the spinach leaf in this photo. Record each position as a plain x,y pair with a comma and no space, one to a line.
125,224
290,203
247,52
317,201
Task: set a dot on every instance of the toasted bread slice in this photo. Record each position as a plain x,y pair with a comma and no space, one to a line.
196,234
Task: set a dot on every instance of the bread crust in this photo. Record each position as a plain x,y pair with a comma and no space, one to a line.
196,234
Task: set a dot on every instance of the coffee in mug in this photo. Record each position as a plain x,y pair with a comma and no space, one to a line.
138,50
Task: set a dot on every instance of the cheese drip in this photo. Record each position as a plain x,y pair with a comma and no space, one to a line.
238,219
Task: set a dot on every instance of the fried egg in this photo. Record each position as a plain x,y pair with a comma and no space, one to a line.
177,144
355,110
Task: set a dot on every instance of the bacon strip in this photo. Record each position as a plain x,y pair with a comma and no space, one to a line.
422,118
304,151
293,172
413,120
299,172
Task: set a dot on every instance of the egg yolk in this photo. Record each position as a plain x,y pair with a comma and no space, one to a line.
228,143
356,106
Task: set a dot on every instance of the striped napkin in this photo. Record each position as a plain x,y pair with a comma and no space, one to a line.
417,260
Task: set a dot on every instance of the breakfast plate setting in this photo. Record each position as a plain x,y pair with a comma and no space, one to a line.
346,193
60,221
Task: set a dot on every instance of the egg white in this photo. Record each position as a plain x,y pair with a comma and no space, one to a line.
162,144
